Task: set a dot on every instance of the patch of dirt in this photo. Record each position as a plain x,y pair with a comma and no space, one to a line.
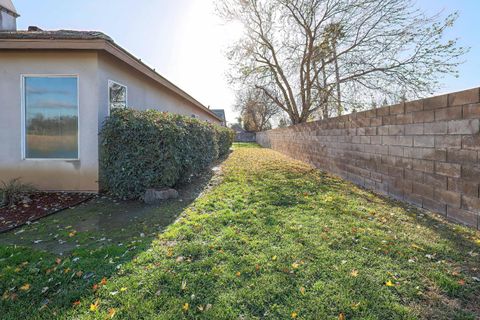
38,205
437,305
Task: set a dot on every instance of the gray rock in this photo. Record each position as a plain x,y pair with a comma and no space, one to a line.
26,200
154,195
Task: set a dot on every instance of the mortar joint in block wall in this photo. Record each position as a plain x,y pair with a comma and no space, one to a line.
434,142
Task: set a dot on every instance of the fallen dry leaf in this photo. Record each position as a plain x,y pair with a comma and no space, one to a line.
184,284
417,247
111,312
389,283
94,306
25,287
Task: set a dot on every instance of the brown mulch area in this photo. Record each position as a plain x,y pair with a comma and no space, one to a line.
40,204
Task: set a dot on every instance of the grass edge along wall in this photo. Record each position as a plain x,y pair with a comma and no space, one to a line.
423,152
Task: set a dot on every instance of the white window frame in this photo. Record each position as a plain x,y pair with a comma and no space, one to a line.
108,93
23,135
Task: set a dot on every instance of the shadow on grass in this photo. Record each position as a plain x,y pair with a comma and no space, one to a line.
396,235
52,263
274,227
248,248
460,237
453,246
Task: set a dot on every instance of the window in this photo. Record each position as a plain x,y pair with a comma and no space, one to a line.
193,115
117,95
51,117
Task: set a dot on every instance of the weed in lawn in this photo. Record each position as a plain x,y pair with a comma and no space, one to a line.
13,191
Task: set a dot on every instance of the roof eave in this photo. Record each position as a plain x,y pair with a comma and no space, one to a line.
104,45
159,78
13,13
10,8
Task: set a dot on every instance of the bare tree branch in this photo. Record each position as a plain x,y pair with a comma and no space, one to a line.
311,56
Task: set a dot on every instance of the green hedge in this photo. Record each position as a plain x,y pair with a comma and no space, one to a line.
225,137
152,149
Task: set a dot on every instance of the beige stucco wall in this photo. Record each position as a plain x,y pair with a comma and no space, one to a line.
7,20
94,69
49,174
142,92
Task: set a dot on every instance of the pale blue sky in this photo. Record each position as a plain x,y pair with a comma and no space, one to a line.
51,97
185,41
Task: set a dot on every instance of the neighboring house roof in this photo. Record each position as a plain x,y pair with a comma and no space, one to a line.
87,40
238,128
220,114
7,4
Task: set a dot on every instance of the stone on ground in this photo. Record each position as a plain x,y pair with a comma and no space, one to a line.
155,196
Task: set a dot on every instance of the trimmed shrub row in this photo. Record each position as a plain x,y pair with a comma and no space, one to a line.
152,149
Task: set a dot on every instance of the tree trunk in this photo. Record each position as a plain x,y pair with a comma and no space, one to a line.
337,80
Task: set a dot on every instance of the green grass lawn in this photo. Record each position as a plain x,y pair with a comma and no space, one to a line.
275,239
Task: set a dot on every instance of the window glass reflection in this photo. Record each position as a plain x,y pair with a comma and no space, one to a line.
51,118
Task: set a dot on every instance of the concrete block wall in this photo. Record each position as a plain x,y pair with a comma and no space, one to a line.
424,152
245,137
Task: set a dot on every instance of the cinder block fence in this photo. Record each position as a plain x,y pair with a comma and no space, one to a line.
425,152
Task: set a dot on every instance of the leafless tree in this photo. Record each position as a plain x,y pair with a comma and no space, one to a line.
322,56
256,109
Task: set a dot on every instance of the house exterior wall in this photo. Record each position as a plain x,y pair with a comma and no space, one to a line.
93,69
142,92
80,174
7,21
423,152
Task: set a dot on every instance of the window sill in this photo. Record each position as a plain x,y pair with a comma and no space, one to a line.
51,159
